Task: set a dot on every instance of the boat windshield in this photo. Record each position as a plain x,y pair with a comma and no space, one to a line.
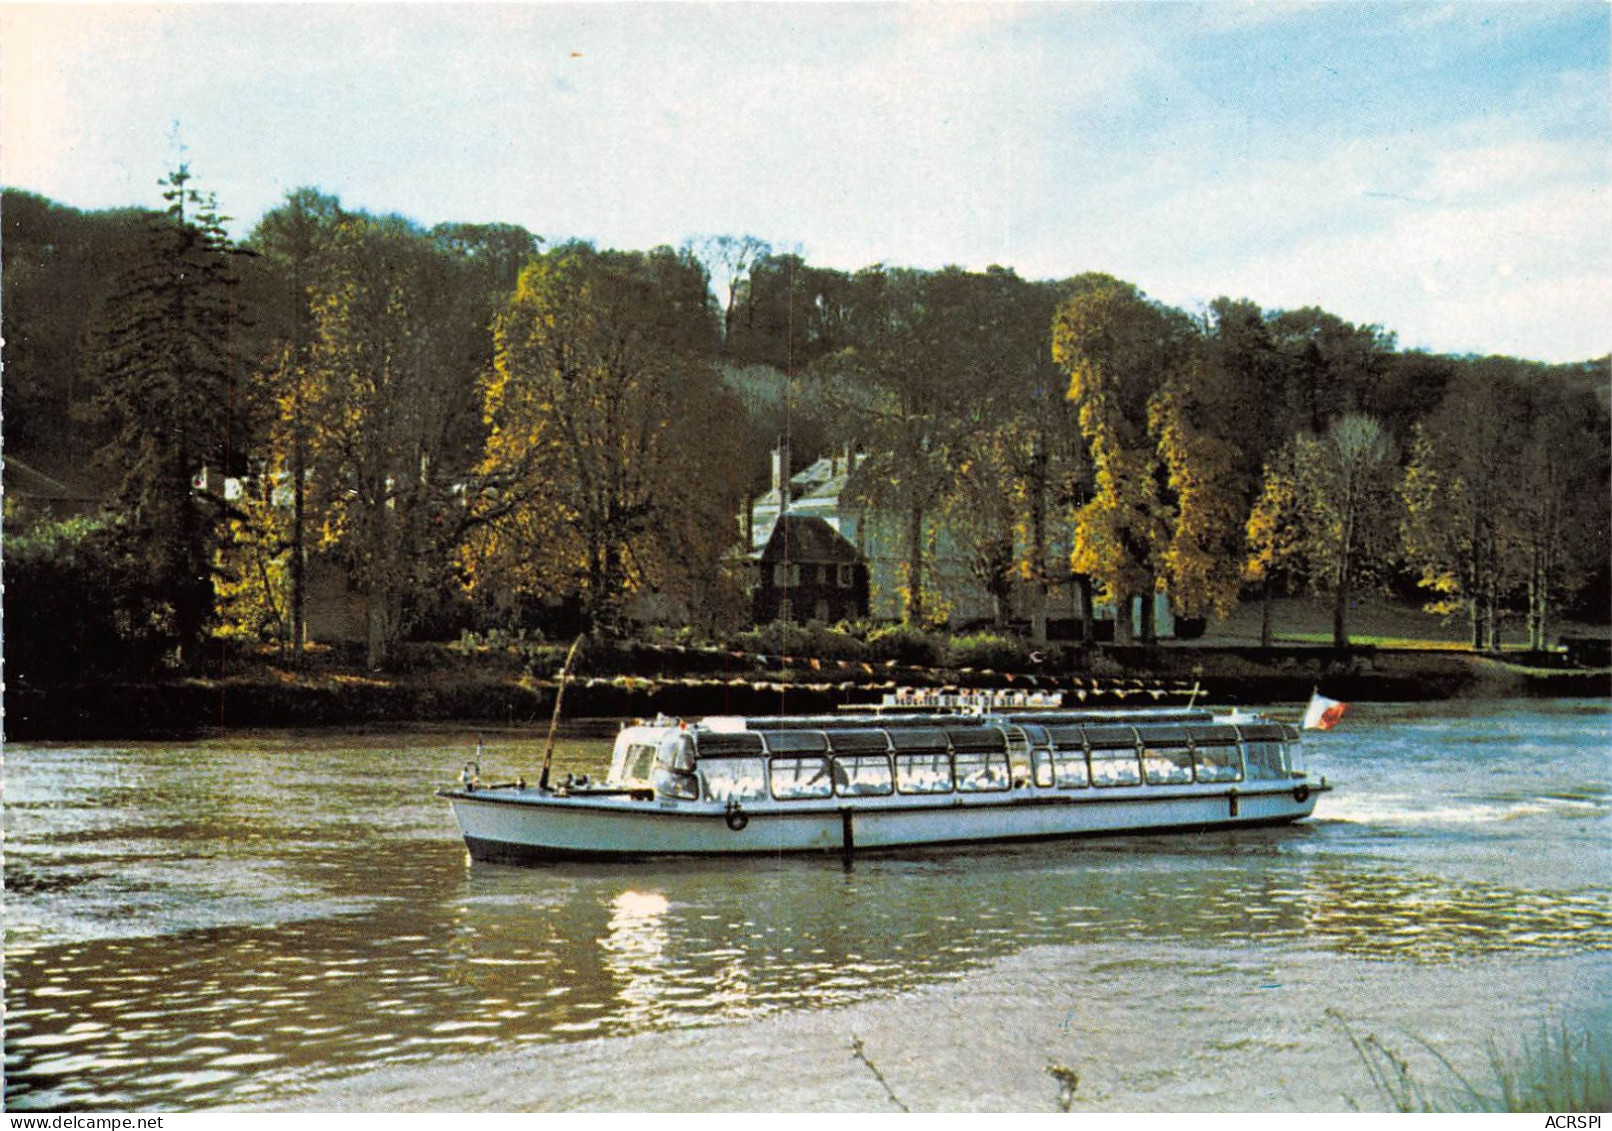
638,764
673,775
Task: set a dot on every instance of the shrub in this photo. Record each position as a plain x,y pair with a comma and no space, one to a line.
781,638
987,650
906,645
77,605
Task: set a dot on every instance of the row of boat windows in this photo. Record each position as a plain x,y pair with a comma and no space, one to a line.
791,777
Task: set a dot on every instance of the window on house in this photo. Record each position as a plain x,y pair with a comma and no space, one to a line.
845,576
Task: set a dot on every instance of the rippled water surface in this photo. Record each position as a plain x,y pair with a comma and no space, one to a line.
227,921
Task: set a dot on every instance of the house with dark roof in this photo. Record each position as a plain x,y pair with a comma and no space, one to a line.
809,571
878,537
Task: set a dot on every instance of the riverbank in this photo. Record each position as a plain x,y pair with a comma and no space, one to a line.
986,1042
441,685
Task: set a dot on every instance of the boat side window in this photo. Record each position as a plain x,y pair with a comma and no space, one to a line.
794,777
980,759
1113,756
861,763
923,760
862,775
982,770
1218,762
1264,752
1215,753
734,779
1070,770
924,772
1265,759
1166,755
1167,765
1041,756
1068,758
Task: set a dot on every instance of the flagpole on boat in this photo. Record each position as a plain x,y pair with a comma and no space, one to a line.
554,722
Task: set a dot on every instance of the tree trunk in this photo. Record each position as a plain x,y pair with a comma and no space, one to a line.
1123,625
915,566
1038,544
1340,612
1088,614
299,552
1150,631
1266,601
380,625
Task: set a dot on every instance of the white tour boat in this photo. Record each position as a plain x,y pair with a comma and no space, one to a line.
960,773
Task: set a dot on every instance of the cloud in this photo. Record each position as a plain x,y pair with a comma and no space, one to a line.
1429,169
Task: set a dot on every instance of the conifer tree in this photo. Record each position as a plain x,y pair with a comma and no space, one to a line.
164,358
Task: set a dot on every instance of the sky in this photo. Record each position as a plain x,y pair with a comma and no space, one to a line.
1443,171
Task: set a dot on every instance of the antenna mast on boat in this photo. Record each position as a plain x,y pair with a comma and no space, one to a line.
554,721
785,605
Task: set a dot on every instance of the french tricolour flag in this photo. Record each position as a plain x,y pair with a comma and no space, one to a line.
1323,713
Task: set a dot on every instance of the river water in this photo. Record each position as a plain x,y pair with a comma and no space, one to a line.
266,919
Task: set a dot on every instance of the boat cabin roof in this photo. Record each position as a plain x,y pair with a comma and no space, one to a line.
987,736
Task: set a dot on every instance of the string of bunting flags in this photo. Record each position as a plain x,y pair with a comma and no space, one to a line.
882,675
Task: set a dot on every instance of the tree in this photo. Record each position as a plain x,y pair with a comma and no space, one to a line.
1561,500
1119,349
1013,460
1455,530
294,241
730,260
1207,497
1347,479
789,315
1503,493
58,268
387,394
606,425
1326,513
903,394
1275,533
163,357
1332,368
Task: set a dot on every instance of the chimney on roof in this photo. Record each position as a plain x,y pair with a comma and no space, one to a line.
780,476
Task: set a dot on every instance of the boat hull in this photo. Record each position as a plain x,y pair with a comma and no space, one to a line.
524,825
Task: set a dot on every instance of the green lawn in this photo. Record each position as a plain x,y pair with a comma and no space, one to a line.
1373,620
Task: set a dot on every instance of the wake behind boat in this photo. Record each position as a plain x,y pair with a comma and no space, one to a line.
905,774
